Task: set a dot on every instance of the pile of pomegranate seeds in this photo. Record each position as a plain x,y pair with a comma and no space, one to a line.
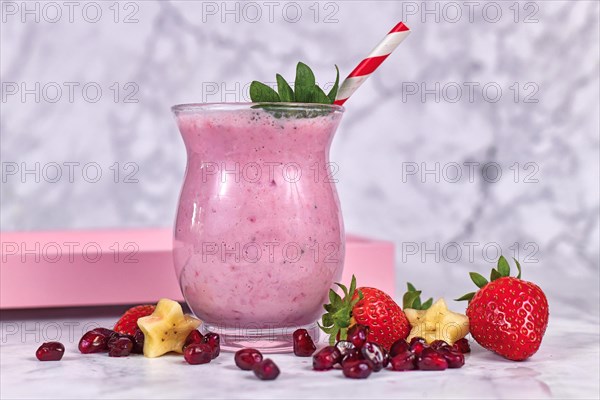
116,344
437,356
358,358
200,349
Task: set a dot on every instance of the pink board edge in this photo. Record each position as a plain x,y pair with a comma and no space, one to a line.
32,275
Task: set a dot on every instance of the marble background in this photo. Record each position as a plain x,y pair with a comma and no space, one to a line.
175,52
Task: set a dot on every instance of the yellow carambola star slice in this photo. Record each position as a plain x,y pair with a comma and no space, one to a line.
166,328
437,323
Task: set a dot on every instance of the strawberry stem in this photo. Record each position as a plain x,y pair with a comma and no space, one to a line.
494,275
502,270
518,268
412,299
336,321
467,296
503,267
478,279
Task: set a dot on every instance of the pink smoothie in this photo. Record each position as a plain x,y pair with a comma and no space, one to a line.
259,236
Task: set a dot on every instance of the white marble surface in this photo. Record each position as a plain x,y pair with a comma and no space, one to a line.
566,366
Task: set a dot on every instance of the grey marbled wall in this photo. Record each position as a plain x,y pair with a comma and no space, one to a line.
416,114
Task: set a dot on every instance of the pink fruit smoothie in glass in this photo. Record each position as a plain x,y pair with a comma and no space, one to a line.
259,236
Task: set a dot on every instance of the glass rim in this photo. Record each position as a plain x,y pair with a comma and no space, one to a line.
195,107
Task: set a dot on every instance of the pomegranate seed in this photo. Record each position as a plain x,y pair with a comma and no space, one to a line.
399,346
266,370
403,361
386,357
431,360
93,342
373,355
326,358
138,342
416,339
114,338
357,335
352,356
462,345
198,353
345,347
246,358
357,369
417,345
303,343
50,351
438,344
105,331
214,341
121,347
195,337
455,359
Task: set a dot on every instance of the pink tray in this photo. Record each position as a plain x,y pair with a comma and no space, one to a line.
107,267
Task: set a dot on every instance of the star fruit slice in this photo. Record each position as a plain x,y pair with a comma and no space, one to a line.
433,321
166,329
437,323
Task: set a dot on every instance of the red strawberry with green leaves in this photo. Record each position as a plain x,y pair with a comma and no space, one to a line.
365,306
127,324
507,315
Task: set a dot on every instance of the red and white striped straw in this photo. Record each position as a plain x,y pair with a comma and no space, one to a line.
366,67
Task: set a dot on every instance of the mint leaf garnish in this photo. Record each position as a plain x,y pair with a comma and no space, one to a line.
318,96
285,91
305,83
305,91
259,93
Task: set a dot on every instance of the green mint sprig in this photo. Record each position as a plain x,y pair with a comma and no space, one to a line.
305,89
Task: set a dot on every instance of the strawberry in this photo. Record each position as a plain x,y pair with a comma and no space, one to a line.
508,315
127,324
365,306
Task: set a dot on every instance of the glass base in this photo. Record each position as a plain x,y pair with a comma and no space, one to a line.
267,340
